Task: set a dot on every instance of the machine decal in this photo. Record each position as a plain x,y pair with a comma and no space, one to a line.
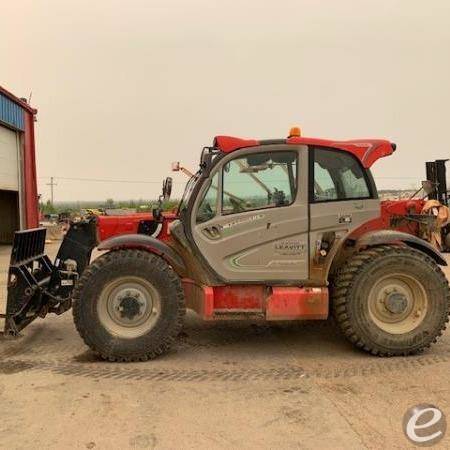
245,220
290,247
237,261
284,262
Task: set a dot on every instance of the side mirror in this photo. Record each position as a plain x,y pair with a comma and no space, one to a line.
167,188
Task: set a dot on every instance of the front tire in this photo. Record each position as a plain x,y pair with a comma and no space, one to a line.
391,300
129,306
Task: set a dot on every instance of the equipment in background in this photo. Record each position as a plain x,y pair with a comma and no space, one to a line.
437,175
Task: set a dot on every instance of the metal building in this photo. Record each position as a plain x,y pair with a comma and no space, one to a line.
18,186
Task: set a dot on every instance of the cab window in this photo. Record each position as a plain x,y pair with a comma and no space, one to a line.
338,176
260,180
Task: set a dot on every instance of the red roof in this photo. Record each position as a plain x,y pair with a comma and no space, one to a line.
366,150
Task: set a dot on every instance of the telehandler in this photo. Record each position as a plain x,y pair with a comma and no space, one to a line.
283,229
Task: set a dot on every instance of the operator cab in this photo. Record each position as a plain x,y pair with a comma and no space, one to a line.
255,211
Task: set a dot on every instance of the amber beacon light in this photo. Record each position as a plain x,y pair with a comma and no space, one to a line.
295,132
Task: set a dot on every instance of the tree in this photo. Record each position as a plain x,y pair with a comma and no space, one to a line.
48,208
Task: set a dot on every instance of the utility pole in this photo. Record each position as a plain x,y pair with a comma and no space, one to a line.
51,184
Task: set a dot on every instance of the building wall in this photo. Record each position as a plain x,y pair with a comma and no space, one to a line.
17,115
11,113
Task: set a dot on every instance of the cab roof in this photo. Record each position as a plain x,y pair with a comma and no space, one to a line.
366,150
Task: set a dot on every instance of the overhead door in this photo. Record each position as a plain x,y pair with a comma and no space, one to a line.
9,164
9,215
9,185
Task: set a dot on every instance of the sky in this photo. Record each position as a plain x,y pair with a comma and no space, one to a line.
125,88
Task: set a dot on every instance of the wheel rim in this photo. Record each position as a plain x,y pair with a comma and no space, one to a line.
398,303
129,307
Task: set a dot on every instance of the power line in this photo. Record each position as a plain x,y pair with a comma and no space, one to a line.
104,180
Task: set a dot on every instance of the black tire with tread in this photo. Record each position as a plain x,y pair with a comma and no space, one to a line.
349,290
137,263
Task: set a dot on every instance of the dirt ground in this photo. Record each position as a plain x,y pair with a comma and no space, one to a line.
225,385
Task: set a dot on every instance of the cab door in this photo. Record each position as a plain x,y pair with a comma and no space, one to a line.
342,195
250,220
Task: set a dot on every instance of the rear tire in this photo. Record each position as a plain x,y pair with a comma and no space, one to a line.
129,306
391,300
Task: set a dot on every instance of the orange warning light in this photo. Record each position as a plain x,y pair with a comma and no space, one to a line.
295,132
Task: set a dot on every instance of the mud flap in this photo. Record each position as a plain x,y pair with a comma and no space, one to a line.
36,286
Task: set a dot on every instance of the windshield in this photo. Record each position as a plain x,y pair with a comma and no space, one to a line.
208,156
187,192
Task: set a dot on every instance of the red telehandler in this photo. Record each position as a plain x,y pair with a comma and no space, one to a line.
283,229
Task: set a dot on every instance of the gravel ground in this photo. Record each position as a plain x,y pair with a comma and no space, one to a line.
225,385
